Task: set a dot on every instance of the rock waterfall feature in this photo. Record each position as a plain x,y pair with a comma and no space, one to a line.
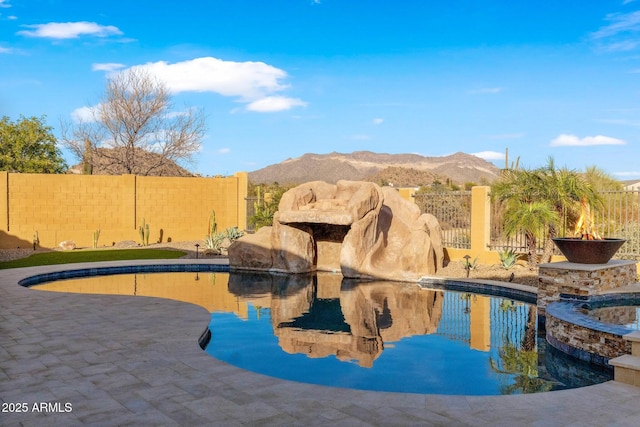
354,227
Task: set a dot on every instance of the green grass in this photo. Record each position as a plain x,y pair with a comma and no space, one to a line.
51,258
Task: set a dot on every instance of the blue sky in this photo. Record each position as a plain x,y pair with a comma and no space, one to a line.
280,78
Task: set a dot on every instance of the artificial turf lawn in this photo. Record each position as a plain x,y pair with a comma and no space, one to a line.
50,258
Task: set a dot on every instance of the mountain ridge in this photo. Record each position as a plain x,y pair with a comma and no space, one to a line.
369,166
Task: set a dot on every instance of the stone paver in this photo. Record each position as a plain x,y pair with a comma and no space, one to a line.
121,360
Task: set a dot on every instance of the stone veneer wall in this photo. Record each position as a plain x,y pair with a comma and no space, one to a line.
576,335
582,280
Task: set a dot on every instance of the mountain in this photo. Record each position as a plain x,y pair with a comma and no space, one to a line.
148,163
400,169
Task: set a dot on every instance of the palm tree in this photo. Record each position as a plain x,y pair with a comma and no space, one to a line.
539,192
532,219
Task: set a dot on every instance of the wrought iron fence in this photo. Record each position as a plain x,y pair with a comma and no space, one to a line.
619,218
499,241
453,210
251,211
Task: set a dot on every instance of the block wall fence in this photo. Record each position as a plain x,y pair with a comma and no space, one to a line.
72,207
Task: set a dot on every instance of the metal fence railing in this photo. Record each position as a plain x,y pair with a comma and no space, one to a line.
619,218
251,211
453,210
499,241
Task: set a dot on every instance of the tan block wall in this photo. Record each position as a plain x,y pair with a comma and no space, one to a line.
71,207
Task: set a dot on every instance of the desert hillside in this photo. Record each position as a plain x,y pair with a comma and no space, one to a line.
400,169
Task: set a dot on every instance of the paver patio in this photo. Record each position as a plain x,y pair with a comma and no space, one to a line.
119,360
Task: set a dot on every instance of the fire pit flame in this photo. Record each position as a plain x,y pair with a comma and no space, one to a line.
585,227
587,247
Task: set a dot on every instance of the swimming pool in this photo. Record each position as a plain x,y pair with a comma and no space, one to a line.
388,336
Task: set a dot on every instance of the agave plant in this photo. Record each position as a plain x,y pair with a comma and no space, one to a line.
214,241
508,258
233,233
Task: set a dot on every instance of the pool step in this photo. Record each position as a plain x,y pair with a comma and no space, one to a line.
627,366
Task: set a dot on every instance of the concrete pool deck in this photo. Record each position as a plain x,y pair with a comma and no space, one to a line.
119,360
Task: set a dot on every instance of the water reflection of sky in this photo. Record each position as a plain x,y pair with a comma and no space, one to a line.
420,364
372,335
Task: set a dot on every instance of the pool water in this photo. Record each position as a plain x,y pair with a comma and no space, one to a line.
378,335
621,315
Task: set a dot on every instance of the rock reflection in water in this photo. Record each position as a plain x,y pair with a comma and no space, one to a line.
408,339
322,315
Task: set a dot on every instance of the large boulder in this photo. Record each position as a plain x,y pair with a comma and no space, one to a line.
356,227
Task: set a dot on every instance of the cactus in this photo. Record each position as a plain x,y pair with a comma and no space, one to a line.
36,239
213,227
96,236
143,230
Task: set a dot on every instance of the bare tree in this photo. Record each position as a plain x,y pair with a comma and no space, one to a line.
134,129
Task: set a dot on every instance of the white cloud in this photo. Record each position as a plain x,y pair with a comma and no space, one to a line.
624,122
620,34
486,90
274,103
224,150
565,140
84,114
620,23
248,80
627,174
490,155
4,3
108,67
377,121
6,50
254,83
621,46
70,30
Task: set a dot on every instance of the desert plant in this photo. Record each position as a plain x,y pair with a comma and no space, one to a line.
36,239
213,226
508,258
470,265
96,236
542,204
214,241
266,205
143,230
233,233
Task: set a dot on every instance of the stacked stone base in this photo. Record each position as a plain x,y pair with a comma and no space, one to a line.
581,280
560,285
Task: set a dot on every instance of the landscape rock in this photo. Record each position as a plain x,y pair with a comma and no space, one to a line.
67,245
354,227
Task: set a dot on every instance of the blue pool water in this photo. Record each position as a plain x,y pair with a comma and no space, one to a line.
378,335
390,337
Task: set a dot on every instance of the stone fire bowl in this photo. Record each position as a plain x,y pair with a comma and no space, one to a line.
588,251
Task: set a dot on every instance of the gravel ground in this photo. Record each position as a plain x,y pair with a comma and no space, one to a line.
453,269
